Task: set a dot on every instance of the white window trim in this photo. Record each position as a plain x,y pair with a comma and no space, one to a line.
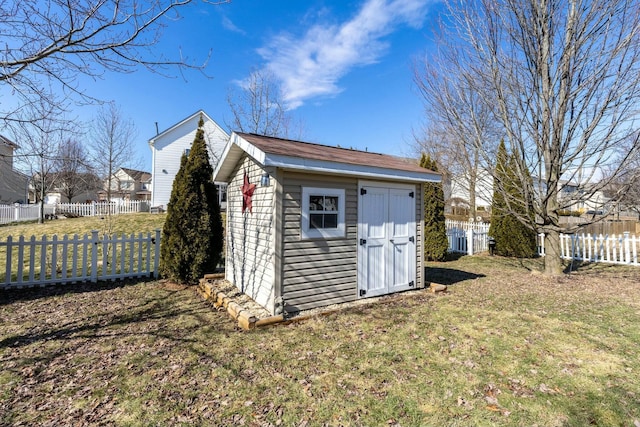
326,233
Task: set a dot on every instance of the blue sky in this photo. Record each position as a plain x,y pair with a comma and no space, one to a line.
345,68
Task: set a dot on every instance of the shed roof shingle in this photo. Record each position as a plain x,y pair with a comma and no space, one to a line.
307,150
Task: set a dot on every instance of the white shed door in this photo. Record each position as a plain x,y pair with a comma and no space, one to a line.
386,239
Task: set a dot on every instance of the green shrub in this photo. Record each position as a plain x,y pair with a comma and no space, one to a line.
512,224
435,232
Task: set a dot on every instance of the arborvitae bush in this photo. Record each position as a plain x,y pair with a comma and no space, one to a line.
523,239
192,233
171,247
436,243
511,214
499,206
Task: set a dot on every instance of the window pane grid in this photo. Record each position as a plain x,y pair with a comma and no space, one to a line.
319,204
323,213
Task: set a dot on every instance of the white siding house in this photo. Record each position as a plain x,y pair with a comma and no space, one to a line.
326,225
457,192
168,147
13,184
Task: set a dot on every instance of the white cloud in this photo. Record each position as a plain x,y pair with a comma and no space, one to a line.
229,25
311,65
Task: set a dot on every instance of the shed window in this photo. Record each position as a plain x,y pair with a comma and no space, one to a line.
322,212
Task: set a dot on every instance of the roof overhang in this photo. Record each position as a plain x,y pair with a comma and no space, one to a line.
237,146
152,141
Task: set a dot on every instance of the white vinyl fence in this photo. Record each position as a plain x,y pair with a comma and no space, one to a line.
467,237
471,238
612,249
18,212
88,258
102,208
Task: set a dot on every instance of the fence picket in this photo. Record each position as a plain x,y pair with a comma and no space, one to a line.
139,252
32,258
7,276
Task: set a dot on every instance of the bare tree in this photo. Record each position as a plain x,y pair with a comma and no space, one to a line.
48,44
561,76
458,122
112,145
40,131
74,175
258,107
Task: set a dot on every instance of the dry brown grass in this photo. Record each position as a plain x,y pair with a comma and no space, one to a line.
505,346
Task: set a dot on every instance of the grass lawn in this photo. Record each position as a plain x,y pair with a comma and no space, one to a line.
125,223
505,346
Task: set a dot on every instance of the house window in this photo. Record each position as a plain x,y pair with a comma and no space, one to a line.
222,193
187,151
126,185
322,213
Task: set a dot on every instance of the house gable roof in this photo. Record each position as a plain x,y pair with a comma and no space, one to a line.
153,140
137,175
296,155
6,141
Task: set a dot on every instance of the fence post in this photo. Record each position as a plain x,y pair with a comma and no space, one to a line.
94,256
156,255
627,249
470,241
16,211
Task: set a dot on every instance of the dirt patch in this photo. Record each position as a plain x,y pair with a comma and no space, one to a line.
172,286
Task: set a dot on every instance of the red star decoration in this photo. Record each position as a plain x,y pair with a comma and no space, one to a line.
247,192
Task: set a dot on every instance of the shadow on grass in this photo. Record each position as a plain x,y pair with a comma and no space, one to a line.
117,321
448,276
9,296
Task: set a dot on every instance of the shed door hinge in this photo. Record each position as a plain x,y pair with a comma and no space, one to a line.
411,194
363,242
363,191
362,292
412,283
412,240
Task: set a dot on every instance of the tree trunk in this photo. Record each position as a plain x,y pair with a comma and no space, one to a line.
552,257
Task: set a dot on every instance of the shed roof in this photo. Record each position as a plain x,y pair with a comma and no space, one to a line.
297,155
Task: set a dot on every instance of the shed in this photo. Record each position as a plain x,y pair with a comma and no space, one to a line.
310,225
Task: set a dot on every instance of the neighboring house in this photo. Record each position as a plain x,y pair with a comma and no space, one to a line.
310,225
13,184
578,199
127,184
573,198
168,147
457,195
86,186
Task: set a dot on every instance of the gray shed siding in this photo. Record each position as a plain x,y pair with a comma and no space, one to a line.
249,262
318,272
